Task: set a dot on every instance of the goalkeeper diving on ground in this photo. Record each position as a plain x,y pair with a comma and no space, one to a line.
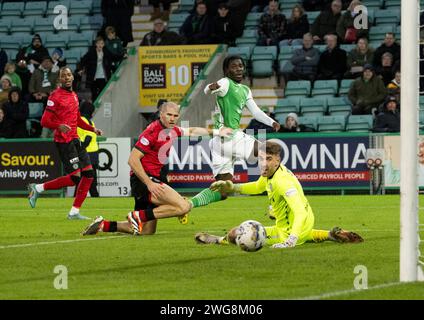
294,218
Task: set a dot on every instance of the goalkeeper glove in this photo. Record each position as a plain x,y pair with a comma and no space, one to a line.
289,243
225,186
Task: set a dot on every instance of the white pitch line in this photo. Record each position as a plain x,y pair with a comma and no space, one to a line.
340,293
24,245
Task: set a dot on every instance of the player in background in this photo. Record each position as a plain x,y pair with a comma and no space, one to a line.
231,98
153,198
63,116
294,218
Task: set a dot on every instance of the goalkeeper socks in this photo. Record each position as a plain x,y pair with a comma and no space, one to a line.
110,226
320,235
205,197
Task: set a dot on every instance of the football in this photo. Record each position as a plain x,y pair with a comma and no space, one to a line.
251,236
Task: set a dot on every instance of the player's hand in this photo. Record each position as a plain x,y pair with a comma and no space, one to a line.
98,132
276,126
156,189
64,128
225,132
289,243
214,86
225,186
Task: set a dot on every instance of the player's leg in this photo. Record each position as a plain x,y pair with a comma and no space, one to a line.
102,225
69,157
206,238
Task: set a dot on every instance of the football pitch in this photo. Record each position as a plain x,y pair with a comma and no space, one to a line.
170,265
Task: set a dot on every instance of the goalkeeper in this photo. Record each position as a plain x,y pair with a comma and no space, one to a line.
294,219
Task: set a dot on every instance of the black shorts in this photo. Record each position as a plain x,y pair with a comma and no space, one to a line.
141,194
73,156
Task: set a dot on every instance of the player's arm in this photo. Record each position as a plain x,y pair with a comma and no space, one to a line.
259,115
85,126
219,88
198,131
227,186
134,162
49,119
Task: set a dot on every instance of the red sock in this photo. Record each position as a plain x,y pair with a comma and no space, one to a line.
146,215
82,191
59,183
106,226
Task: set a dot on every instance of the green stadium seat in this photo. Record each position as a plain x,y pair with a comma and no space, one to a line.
57,40
84,39
421,102
263,61
11,42
347,47
74,55
377,33
313,106
243,52
345,86
421,117
392,4
359,123
250,33
90,23
286,53
339,106
35,110
374,4
5,26
37,8
14,9
298,88
44,25
321,47
82,7
287,105
23,26
325,87
176,20
252,20
388,16
331,123
312,15
288,4
398,32
285,66
309,121
97,7
53,4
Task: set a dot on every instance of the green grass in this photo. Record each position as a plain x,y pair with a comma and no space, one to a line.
170,265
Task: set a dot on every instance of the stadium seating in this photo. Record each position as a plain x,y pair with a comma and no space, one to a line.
15,9
263,61
345,86
44,25
288,4
81,7
324,88
359,123
377,33
313,106
287,105
388,16
22,26
53,4
176,20
309,121
331,123
312,15
57,40
38,8
81,39
421,117
285,65
374,4
243,52
252,20
392,4
339,106
298,88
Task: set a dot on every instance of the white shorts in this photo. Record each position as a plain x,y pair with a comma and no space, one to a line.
225,152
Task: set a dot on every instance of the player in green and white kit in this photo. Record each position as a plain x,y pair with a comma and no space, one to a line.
230,143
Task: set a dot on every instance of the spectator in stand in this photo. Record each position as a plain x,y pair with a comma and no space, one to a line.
10,70
389,119
326,22
223,29
59,60
292,125
211,5
25,76
394,86
345,26
387,70
6,85
5,127
118,13
305,60
17,113
272,27
332,62
239,10
297,26
198,26
33,54
3,60
43,81
367,92
389,45
160,36
157,13
357,58
97,64
114,45
255,127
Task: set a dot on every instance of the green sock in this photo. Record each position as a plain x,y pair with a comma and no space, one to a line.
205,197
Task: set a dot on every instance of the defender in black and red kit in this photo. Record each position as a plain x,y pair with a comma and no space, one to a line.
62,115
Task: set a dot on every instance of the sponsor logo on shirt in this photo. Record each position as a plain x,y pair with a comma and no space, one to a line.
291,192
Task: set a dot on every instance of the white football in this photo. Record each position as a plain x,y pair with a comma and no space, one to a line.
251,236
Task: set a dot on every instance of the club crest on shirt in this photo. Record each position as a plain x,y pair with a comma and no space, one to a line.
144,141
50,103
